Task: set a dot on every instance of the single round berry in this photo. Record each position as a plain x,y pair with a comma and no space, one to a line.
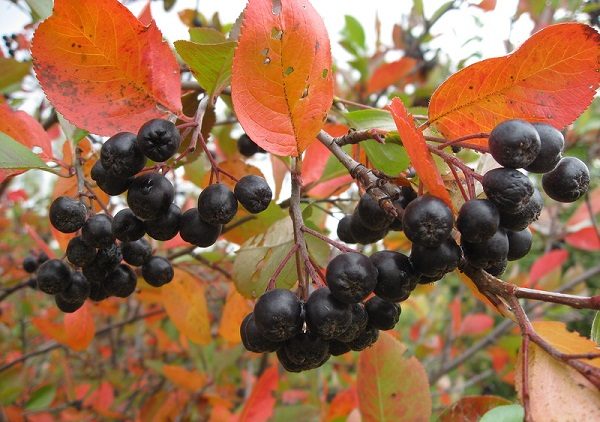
166,226
30,264
488,252
157,271
435,262
254,193
126,226
97,291
121,156
278,315
407,195
95,273
507,188
150,195
477,220
247,147
363,234
78,291
137,252
217,204
326,316
97,231
519,244
365,339
359,320
67,215
109,257
514,143
80,253
158,139
121,281
396,277
344,232
371,214
196,231
351,277
42,257
53,276
568,182
383,315
427,221
305,350
108,183
523,218
67,307
552,144
252,339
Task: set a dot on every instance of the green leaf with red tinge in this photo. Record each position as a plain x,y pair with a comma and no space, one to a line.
546,264
102,68
551,78
392,387
259,406
419,154
282,82
471,409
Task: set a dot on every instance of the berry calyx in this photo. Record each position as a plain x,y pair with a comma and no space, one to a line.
67,215
351,277
158,139
427,221
254,193
217,204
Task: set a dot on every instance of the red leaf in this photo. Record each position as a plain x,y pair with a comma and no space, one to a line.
261,403
79,328
390,73
342,404
102,68
455,312
282,80
586,239
551,78
546,264
583,213
145,15
486,5
475,324
417,150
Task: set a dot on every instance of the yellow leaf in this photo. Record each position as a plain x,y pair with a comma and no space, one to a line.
235,310
183,378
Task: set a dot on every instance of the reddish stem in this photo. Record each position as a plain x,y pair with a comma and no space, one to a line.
324,238
281,266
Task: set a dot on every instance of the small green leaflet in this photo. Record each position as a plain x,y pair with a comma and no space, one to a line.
14,155
508,413
41,398
12,73
595,333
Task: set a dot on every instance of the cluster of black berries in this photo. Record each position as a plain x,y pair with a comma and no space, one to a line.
333,321
31,263
369,222
247,147
11,44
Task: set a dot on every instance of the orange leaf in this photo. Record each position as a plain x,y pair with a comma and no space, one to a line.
392,387
145,15
390,73
486,5
260,405
475,324
342,404
551,78
565,341
102,68
546,264
79,328
48,328
282,80
586,239
185,303
183,378
235,310
417,150
471,409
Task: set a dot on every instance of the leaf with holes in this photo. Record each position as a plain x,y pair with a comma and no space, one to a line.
391,386
102,68
282,82
551,78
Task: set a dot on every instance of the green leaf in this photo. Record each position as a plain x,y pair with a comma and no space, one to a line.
508,413
210,63
353,36
41,398
12,73
206,36
12,384
40,9
14,155
391,158
595,333
370,119
168,4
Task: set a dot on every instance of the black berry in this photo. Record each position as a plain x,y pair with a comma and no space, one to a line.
137,252
166,226
254,193
157,271
427,221
217,204
514,143
488,252
278,315
396,277
305,351
351,277
247,147
126,226
67,215
67,307
507,188
552,144
527,215
150,195
158,139
365,339
519,244
53,276
359,320
437,261
568,182
363,234
383,315
78,291
30,263
109,257
371,214
196,231
97,231
325,315
344,232
477,220
121,156
121,281
80,253
252,339
109,184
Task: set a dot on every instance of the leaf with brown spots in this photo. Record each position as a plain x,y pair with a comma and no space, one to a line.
551,78
102,68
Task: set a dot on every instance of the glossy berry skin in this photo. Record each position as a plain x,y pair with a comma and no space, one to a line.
67,307
53,276
78,291
252,339
150,195
95,273
371,214
396,277
30,264
435,262
351,277
121,281
552,144
254,193
507,188
359,320
217,204
247,147
158,139
383,315
365,339
568,182
127,227
196,231
67,215
487,253
137,252
527,215
514,143
278,315
97,231
302,352
166,226
108,183
157,271
363,234
79,253
121,156
519,244
326,316
344,232
478,220
427,221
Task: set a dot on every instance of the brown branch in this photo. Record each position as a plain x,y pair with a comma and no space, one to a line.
6,293
356,136
326,239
